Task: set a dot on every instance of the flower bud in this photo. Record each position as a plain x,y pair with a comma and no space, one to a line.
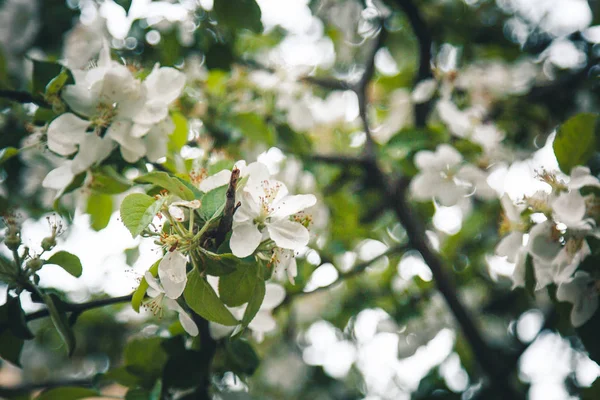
35,264
48,243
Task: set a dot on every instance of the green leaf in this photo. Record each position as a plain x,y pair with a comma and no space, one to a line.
219,56
297,143
213,203
56,84
140,292
168,182
106,180
68,393
43,73
254,127
69,262
121,376
59,319
13,315
7,153
10,347
255,302
138,210
238,287
145,357
239,14
100,207
201,298
575,141
219,264
241,356
180,135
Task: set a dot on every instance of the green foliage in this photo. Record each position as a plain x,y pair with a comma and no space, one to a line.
575,141
201,298
239,286
179,136
167,182
254,127
239,14
7,153
145,359
44,73
100,207
67,261
68,393
106,180
60,322
256,300
242,358
213,203
138,210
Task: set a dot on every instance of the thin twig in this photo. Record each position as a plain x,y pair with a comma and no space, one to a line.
423,36
230,207
357,270
80,307
30,387
22,97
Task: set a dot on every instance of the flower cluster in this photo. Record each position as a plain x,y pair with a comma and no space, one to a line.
267,223
111,107
552,228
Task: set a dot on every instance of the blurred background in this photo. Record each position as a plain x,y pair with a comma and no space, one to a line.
385,333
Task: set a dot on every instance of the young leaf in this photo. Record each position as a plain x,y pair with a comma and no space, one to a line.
43,73
69,262
99,206
255,302
10,347
68,393
238,287
179,136
7,153
213,203
168,182
108,181
201,298
57,83
138,210
59,319
575,141
140,292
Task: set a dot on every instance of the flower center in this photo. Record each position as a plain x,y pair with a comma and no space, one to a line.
105,113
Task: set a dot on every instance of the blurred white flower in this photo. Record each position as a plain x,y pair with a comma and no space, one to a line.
581,291
445,177
256,171
424,91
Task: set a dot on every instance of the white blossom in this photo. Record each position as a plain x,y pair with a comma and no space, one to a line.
256,171
581,291
173,278
445,177
179,210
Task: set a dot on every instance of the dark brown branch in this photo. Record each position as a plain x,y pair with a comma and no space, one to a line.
22,97
227,219
425,41
357,270
79,308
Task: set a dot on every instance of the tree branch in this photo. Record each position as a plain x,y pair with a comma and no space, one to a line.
22,97
81,307
425,41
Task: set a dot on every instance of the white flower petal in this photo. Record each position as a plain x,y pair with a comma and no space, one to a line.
582,177
65,132
569,208
59,178
219,179
176,213
165,84
288,234
92,150
424,90
263,322
292,271
245,239
172,273
542,245
186,321
510,246
290,205
218,331
274,296
579,291
152,282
